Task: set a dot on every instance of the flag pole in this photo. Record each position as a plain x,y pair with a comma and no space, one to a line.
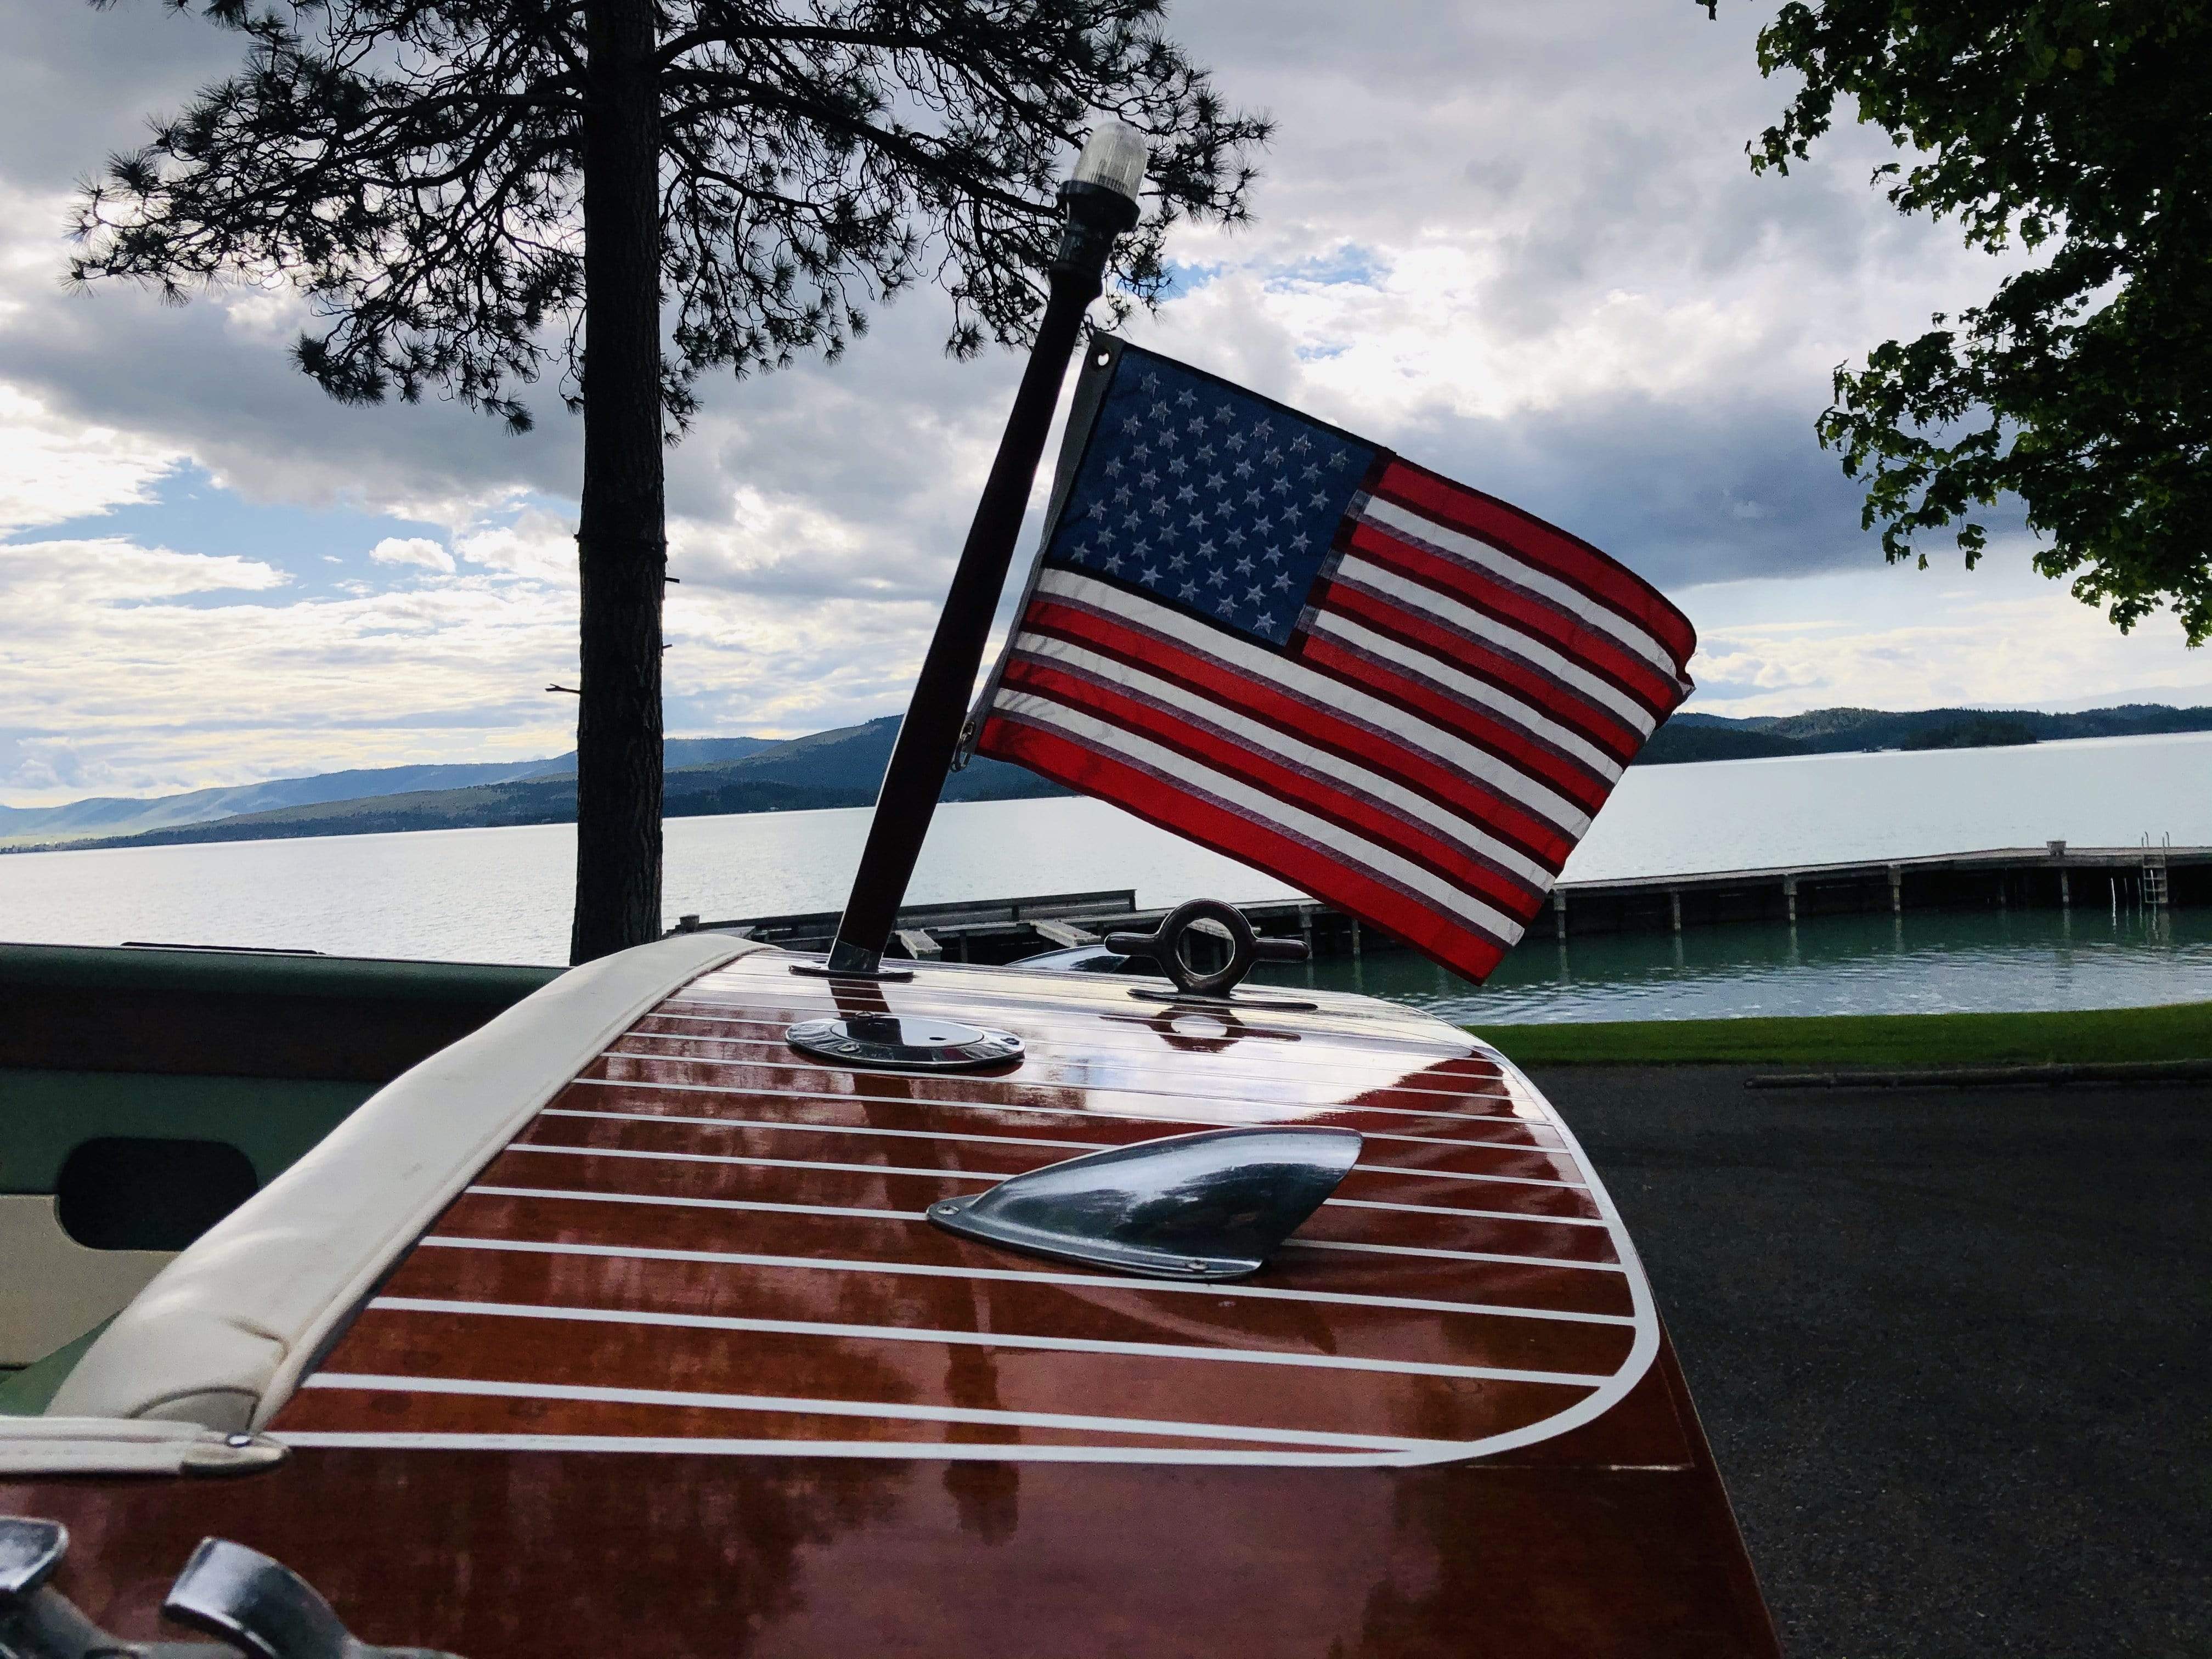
1100,201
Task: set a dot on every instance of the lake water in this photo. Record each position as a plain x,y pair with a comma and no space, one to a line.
502,894
1927,962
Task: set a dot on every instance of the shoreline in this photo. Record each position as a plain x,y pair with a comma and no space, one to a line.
2165,1035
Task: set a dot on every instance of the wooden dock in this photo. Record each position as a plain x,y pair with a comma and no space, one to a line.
2052,876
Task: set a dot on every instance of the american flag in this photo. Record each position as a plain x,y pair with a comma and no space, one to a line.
1401,695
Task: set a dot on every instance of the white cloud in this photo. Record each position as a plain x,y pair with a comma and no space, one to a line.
415,550
53,468
2008,638
130,670
45,582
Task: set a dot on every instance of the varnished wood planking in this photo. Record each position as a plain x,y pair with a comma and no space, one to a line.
504,1555
1020,1300
1493,1295
1098,1117
1412,1108
1144,1387
580,1119
1591,1288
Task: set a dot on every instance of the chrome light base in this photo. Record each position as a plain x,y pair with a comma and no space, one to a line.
904,1042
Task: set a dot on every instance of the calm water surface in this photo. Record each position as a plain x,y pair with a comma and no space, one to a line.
502,894
1927,962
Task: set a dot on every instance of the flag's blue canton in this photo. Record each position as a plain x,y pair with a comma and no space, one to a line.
1206,498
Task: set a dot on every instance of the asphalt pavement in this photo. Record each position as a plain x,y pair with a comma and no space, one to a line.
1953,1348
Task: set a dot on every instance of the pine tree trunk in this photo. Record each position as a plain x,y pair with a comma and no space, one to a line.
621,540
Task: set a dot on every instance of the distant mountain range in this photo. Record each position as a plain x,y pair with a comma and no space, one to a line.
706,776
709,776
1838,731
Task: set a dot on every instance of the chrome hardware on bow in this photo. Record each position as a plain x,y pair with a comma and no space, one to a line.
264,1608
254,1605
1203,1207
904,1043
29,1552
1168,945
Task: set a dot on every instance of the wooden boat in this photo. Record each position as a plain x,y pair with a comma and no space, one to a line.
620,1325
674,1310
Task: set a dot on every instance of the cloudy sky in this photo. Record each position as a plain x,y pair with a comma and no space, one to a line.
1519,244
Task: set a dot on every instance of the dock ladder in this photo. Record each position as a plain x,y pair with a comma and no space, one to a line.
2154,871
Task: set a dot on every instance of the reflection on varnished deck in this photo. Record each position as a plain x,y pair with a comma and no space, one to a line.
711,1243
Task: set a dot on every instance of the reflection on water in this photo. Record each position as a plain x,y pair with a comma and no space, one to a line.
1921,962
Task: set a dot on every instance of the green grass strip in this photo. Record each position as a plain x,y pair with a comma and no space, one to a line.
2181,1032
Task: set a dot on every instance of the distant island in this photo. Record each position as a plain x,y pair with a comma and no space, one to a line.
712,776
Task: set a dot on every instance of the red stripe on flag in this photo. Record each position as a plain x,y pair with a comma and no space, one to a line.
1594,651
1602,727
1524,536
1387,826
1440,937
1315,722
1543,841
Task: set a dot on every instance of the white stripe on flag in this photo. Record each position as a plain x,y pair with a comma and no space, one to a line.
1403,521
1379,788
1423,601
1355,851
1297,679
1358,637
1353,634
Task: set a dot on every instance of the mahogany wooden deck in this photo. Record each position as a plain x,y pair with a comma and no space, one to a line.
687,1369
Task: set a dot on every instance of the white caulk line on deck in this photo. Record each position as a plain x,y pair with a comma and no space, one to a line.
1445,1209
1142,1024
817,1407
654,1200
1321,1024
1048,1072
761,1162
1358,1053
981,1339
830,1129
1459,1256
973,1174
1079,997
917,1451
812,1127
1002,1275
1070,1088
